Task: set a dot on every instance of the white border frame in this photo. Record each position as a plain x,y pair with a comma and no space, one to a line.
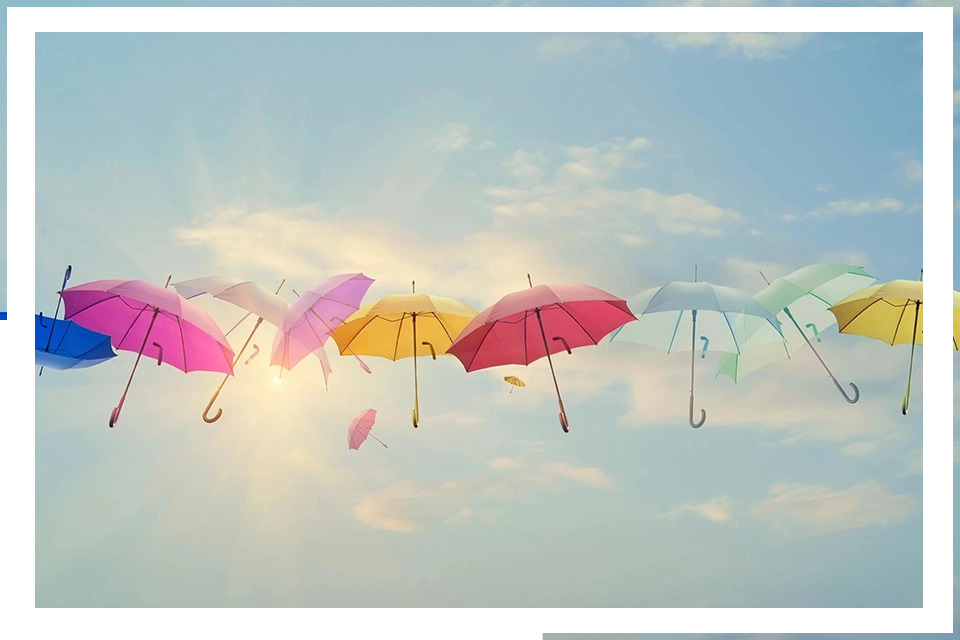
936,24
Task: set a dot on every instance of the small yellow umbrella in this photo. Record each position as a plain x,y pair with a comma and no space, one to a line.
404,326
890,312
514,381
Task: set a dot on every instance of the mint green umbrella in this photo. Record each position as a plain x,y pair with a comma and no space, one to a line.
803,296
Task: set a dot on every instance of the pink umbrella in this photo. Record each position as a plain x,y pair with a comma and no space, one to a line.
515,329
312,318
134,312
360,428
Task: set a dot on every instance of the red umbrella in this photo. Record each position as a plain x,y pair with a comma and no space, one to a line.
515,329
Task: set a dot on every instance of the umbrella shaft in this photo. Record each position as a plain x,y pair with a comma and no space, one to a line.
913,346
146,337
546,346
812,348
693,353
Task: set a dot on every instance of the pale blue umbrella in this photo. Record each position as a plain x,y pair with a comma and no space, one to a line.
668,312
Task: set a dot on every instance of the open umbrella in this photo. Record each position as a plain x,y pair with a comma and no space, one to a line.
514,382
63,344
134,313
515,329
403,326
891,312
806,294
313,317
360,428
252,298
733,316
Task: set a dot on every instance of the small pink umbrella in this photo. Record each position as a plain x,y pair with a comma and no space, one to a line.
134,313
515,329
360,428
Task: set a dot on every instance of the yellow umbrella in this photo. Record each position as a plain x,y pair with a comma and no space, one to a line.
514,381
891,312
404,326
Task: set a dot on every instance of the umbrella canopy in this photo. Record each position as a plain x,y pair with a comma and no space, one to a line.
514,382
806,295
515,330
891,312
255,300
63,344
153,321
403,326
733,317
310,320
360,428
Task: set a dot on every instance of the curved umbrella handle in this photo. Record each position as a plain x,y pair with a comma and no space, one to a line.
905,405
160,347
565,345
703,415
219,413
41,320
564,424
416,417
856,393
433,352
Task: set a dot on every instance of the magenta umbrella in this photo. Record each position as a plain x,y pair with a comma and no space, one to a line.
312,318
515,329
134,313
360,428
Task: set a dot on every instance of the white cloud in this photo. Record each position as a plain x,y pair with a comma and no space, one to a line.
913,171
486,145
409,506
521,166
452,137
718,510
505,463
806,509
956,100
861,448
761,46
857,208
562,46
580,188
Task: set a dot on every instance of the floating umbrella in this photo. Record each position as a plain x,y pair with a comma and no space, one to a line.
806,293
252,298
663,312
313,317
403,326
134,312
63,344
514,382
891,312
515,329
360,428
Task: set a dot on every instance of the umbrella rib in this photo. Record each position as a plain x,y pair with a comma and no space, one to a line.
675,329
183,344
91,306
732,334
396,345
347,343
526,356
449,337
127,332
858,314
578,323
903,310
476,351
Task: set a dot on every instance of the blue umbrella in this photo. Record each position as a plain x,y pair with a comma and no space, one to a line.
63,344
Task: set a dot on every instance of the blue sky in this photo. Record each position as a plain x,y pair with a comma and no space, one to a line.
465,162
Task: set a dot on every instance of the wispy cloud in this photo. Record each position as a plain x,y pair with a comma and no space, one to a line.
409,506
759,46
453,136
567,45
718,510
581,186
913,171
851,208
796,509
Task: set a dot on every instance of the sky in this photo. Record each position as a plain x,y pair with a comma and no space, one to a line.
464,163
